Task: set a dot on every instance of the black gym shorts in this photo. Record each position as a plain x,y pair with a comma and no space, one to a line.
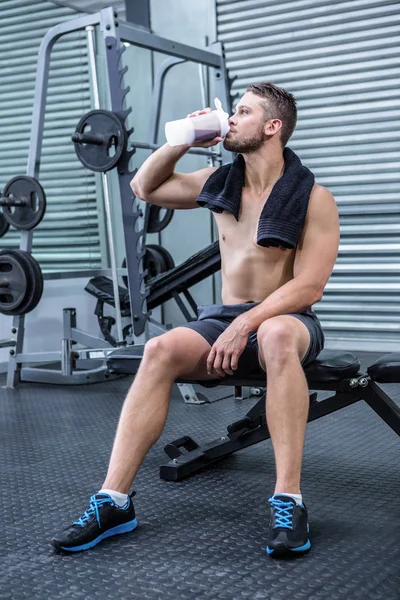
213,319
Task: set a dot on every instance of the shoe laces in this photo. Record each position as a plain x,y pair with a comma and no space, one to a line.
96,502
283,513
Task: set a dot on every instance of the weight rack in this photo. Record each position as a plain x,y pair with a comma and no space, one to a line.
113,34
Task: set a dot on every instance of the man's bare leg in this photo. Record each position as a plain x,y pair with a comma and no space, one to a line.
180,352
284,342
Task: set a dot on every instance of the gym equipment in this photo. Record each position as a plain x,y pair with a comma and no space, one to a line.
107,142
157,260
157,224
4,225
100,140
338,372
23,202
21,282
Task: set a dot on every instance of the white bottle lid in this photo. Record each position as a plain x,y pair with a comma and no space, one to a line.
179,132
223,117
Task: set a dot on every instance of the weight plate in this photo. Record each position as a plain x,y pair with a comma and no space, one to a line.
29,291
154,262
27,189
4,225
36,282
157,224
105,142
169,261
157,260
13,283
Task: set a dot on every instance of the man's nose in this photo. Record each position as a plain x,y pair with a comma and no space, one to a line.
232,120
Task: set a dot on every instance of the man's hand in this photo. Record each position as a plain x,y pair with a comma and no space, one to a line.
226,351
208,143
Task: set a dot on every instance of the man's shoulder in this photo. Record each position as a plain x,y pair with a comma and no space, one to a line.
320,197
320,191
322,204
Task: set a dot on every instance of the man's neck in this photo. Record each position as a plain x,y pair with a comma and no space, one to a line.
263,169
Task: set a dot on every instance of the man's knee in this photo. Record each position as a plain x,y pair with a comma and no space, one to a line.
159,350
277,340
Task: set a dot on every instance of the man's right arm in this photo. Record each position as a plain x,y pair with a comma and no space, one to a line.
157,183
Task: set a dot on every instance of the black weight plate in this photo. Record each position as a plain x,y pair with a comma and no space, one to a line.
111,129
4,225
29,216
13,282
34,282
154,262
169,261
37,285
157,260
157,224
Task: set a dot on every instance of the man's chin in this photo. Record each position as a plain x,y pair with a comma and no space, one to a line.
230,145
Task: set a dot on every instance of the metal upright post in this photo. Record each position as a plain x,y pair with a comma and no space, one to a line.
106,190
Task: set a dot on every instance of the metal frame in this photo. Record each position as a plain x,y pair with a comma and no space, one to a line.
187,457
113,34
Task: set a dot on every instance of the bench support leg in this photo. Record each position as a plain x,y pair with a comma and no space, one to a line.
187,457
384,406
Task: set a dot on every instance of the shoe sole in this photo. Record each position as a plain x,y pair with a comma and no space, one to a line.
281,550
124,528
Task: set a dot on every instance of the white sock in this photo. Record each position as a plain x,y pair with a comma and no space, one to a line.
119,499
297,497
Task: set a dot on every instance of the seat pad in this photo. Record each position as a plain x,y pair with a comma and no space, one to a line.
386,369
329,366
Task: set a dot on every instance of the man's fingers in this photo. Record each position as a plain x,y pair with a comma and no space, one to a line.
234,361
218,364
226,364
203,111
210,361
208,143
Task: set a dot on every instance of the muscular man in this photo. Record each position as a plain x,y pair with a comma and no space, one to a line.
265,319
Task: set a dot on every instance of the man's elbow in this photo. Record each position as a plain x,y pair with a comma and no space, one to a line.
316,293
136,189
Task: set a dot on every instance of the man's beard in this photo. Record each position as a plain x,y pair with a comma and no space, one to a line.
245,146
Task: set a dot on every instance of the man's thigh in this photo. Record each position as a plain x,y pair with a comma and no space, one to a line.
189,350
307,332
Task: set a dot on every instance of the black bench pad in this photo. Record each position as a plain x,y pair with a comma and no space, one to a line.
329,366
386,369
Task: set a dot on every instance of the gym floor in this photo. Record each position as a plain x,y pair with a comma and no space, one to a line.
203,538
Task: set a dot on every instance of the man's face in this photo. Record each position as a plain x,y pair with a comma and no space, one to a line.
246,125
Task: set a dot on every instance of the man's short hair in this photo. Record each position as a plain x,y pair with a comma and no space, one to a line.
279,104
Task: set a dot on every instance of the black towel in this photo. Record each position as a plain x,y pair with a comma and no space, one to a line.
283,215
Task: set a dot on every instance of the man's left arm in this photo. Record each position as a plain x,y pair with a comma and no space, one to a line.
314,260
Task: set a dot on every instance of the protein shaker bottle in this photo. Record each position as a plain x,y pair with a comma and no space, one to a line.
198,129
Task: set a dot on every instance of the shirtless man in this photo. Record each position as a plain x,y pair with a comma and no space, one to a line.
267,294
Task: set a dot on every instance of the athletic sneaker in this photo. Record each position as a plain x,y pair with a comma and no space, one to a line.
101,520
288,528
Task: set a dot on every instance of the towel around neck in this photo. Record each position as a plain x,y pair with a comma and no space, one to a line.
283,215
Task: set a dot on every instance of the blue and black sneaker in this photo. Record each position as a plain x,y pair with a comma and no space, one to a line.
288,528
101,520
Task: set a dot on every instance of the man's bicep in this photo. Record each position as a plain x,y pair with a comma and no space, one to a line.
319,243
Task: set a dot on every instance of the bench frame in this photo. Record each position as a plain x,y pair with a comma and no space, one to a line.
187,457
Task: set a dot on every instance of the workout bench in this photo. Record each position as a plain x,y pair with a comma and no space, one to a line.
338,372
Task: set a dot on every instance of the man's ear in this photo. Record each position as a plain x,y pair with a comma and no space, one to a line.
272,126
